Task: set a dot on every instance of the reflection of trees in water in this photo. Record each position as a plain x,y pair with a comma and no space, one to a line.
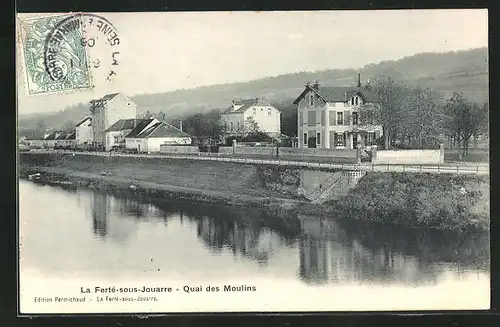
244,232
341,252
251,232
329,251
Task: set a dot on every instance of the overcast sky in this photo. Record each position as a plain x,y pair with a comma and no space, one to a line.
161,52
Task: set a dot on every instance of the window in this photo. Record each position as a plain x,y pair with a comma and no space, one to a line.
339,139
311,100
356,100
269,111
232,126
305,139
352,101
318,138
354,118
340,118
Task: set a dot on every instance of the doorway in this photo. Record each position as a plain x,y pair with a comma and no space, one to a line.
311,142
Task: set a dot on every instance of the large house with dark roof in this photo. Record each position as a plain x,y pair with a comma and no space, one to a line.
149,134
328,117
237,117
106,111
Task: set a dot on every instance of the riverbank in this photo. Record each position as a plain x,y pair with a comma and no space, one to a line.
443,202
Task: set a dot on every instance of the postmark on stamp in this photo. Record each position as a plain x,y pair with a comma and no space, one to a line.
66,53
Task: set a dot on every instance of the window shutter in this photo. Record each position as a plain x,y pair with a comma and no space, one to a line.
347,118
333,117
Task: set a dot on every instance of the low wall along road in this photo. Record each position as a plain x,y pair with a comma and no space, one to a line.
476,168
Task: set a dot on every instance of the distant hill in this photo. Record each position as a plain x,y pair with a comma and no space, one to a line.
463,71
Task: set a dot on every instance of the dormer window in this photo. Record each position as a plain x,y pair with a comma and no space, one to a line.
311,100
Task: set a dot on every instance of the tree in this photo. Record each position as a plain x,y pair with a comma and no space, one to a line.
207,125
386,109
289,116
463,120
423,116
253,132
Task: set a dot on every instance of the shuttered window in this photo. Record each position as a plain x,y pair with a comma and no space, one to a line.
333,118
311,118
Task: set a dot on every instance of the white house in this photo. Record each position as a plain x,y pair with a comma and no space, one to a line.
236,117
106,111
148,136
115,134
83,131
328,117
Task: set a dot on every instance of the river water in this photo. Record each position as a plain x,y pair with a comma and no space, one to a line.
89,237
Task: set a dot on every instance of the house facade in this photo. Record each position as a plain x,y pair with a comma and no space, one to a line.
83,131
236,117
151,134
116,133
328,117
108,110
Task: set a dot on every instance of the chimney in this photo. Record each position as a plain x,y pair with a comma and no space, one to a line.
359,80
180,125
316,85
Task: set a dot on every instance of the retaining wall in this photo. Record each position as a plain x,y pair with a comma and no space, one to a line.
178,149
418,157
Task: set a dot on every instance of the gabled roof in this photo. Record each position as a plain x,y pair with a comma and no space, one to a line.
51,136
339,93
124,124
109,96
62,136
141,125
162,129
71,136
83,121
246,103
36,136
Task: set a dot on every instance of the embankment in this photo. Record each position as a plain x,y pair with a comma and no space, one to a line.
438,201
443,202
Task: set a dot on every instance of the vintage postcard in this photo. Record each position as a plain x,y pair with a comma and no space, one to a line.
253,161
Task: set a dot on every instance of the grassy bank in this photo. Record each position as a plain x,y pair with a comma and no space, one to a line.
444,202
436,201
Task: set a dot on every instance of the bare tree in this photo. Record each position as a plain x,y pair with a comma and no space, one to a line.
463,120
423,116
386,109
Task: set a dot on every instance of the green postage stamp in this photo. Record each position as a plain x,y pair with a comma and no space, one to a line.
53,54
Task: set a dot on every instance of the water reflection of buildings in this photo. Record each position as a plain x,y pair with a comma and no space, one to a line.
117,218
237,232
329,254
